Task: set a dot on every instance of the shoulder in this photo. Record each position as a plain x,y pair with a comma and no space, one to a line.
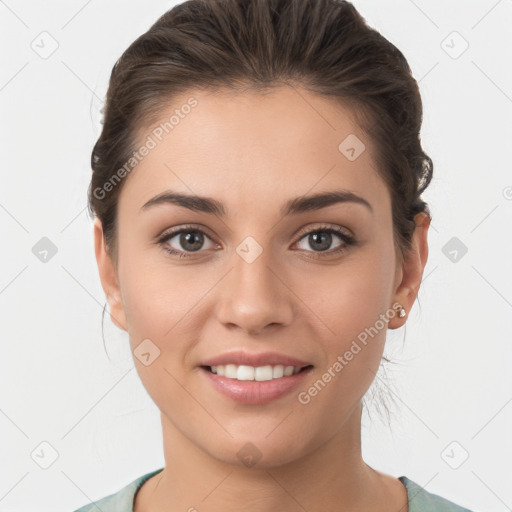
122,500
421,500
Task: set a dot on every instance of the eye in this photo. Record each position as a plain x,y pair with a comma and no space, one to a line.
321,239
191,239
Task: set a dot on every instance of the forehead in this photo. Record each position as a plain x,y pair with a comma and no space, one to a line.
253,148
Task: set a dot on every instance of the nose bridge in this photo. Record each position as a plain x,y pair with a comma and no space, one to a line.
252,296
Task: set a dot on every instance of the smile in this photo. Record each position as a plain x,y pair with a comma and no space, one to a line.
258,373
252,385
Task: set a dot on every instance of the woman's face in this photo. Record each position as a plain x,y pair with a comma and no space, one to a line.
256,278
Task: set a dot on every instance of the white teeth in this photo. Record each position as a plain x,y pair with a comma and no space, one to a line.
230,371
278,371
288,370
263,373
245,373
259,373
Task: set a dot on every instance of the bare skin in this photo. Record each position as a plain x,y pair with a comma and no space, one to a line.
253,153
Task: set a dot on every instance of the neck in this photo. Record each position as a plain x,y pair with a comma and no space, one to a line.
332,476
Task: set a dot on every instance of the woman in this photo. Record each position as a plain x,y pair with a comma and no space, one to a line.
259,226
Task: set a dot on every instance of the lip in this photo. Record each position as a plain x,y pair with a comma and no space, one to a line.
251,392
240,357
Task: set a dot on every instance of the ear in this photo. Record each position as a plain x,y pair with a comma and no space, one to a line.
108,277
410,272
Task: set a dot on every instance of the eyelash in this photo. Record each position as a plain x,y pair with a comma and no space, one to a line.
347,240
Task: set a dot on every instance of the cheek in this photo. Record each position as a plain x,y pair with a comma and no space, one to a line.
150,289
353,301
163,302
147,299
354,294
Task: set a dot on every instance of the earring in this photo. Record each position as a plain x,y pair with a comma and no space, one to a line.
402,313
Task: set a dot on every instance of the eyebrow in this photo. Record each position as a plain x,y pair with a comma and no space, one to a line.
291,207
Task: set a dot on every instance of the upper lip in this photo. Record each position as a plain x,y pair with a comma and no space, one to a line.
262,359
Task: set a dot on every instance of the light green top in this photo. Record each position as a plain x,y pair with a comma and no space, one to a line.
419,499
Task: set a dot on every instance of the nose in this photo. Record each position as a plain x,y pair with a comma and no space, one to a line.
253,297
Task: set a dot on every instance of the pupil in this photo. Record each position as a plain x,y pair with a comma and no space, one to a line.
317,236
188,238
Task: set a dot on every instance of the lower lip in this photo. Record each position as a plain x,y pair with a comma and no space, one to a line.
252,392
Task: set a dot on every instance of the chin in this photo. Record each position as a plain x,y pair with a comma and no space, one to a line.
257,452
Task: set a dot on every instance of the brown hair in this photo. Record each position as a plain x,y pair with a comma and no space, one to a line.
324,46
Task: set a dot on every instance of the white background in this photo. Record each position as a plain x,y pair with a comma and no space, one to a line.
452,380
